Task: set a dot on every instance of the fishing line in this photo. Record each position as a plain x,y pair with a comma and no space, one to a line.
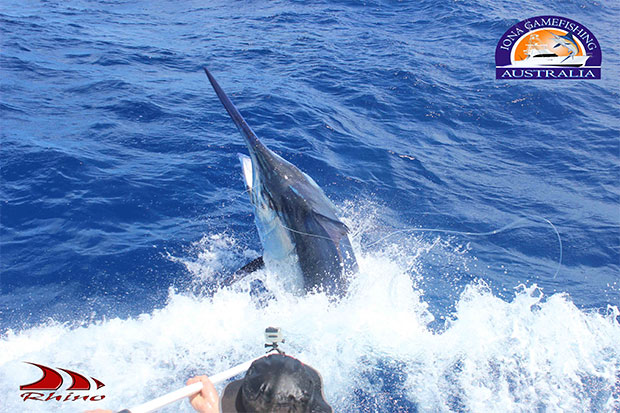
511,225
448,231
303,233
507,227
226,203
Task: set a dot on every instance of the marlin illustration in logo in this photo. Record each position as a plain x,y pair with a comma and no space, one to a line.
567,41
296,222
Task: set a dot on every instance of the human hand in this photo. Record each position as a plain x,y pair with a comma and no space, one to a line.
207,400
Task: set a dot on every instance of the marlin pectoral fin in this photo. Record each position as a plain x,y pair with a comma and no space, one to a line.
254,265
335,229
340,252
557,45
318,201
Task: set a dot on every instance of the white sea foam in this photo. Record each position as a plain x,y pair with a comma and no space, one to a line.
374,348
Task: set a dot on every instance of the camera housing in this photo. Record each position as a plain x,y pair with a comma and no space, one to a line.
273,336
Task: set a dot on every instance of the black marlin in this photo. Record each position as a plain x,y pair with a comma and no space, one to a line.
296,222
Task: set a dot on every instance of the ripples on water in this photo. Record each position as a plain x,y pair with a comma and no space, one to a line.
122,197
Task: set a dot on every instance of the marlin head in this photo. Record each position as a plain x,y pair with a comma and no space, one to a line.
296,222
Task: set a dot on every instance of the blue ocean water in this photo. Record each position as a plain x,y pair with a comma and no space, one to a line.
122,201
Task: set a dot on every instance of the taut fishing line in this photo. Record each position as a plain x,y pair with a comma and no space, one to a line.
505,228
511,225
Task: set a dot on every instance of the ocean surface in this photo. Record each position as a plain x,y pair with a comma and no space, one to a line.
485,214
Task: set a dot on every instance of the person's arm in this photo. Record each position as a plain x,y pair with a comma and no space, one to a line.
207,401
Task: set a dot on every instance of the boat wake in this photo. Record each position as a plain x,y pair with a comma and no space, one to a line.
381,348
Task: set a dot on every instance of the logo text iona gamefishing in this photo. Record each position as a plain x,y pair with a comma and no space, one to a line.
548,47
50,387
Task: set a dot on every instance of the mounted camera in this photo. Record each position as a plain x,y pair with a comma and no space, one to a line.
273,336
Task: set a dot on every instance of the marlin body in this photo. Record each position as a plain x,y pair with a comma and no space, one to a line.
296,222
567,41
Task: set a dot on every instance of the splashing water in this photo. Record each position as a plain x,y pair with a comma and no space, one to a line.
377,349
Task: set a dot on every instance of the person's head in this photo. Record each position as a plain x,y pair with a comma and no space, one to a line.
276,383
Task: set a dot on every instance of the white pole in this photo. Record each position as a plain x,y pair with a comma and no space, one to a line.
187,391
